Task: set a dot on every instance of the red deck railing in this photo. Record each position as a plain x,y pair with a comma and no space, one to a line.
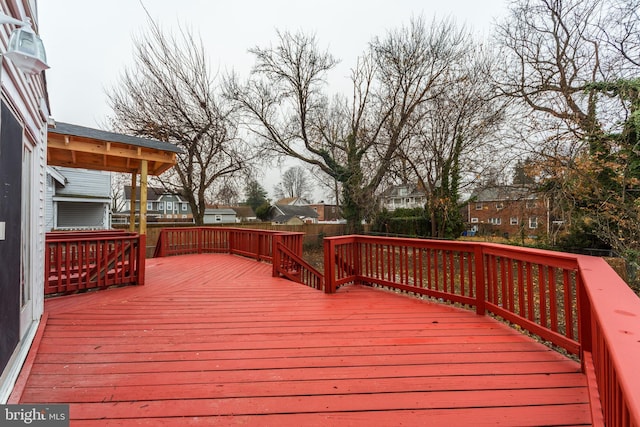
82,260
257,244
577,303
282,249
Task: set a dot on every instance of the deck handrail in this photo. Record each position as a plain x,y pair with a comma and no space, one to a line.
76,261
257,244
294,267
576,302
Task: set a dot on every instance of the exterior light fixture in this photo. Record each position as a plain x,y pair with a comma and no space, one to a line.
25,47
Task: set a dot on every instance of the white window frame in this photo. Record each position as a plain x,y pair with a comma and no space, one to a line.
184,207
474,220
160,206
533,222
495,221
513,220
149,206
499,205
169,206
479,206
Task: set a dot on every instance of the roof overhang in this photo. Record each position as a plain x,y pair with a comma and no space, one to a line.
80,147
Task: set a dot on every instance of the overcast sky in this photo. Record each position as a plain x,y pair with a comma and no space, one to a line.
88,42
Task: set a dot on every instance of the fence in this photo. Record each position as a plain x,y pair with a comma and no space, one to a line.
77,261
575,302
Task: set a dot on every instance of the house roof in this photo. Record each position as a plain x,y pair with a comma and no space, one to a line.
394,191
244,211
82,147
294,210
153,193
504,193
219,211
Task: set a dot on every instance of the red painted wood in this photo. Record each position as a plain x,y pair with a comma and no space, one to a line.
217,338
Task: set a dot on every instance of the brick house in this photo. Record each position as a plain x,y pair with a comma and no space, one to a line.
508,211
327,213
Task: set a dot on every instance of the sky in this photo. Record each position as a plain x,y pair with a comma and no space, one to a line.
89,42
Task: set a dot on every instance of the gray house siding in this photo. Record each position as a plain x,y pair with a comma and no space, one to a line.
85,183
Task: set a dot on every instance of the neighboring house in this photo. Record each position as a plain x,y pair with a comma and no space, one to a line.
405,196
244,213
77,199
508,211
291,214
214,215
162,205
327,213
24,111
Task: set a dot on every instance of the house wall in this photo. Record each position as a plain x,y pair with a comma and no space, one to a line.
496,216
219,218
79,215
86,183
50,189
25,97
80,203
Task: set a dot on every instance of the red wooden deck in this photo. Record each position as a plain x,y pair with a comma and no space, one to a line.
214,339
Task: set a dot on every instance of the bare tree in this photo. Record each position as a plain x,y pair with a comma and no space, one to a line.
458,134
551,54
171,95
118,181
295,183
574,65
353,141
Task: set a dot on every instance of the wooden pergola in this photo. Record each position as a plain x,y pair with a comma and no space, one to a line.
81,147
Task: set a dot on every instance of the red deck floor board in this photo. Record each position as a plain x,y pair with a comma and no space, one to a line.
214,340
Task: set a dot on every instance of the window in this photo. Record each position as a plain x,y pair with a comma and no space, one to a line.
499,205
184,207
495,221
479,206
533,222
513,220
149,206
160,206
169,206
474,220
218,218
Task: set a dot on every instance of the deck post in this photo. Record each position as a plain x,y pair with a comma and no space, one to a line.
478,255
142,257
132,204
275,261
143,197
584,320
329,266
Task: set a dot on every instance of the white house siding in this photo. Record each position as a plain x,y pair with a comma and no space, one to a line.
219,216
25,95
